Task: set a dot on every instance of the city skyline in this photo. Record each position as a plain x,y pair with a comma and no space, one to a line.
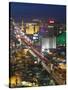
29,11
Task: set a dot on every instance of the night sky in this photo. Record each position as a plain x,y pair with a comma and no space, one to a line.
19,11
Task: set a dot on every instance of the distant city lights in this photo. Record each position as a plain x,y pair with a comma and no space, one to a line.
51,21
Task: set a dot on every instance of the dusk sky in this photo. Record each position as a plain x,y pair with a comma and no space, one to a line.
19,11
